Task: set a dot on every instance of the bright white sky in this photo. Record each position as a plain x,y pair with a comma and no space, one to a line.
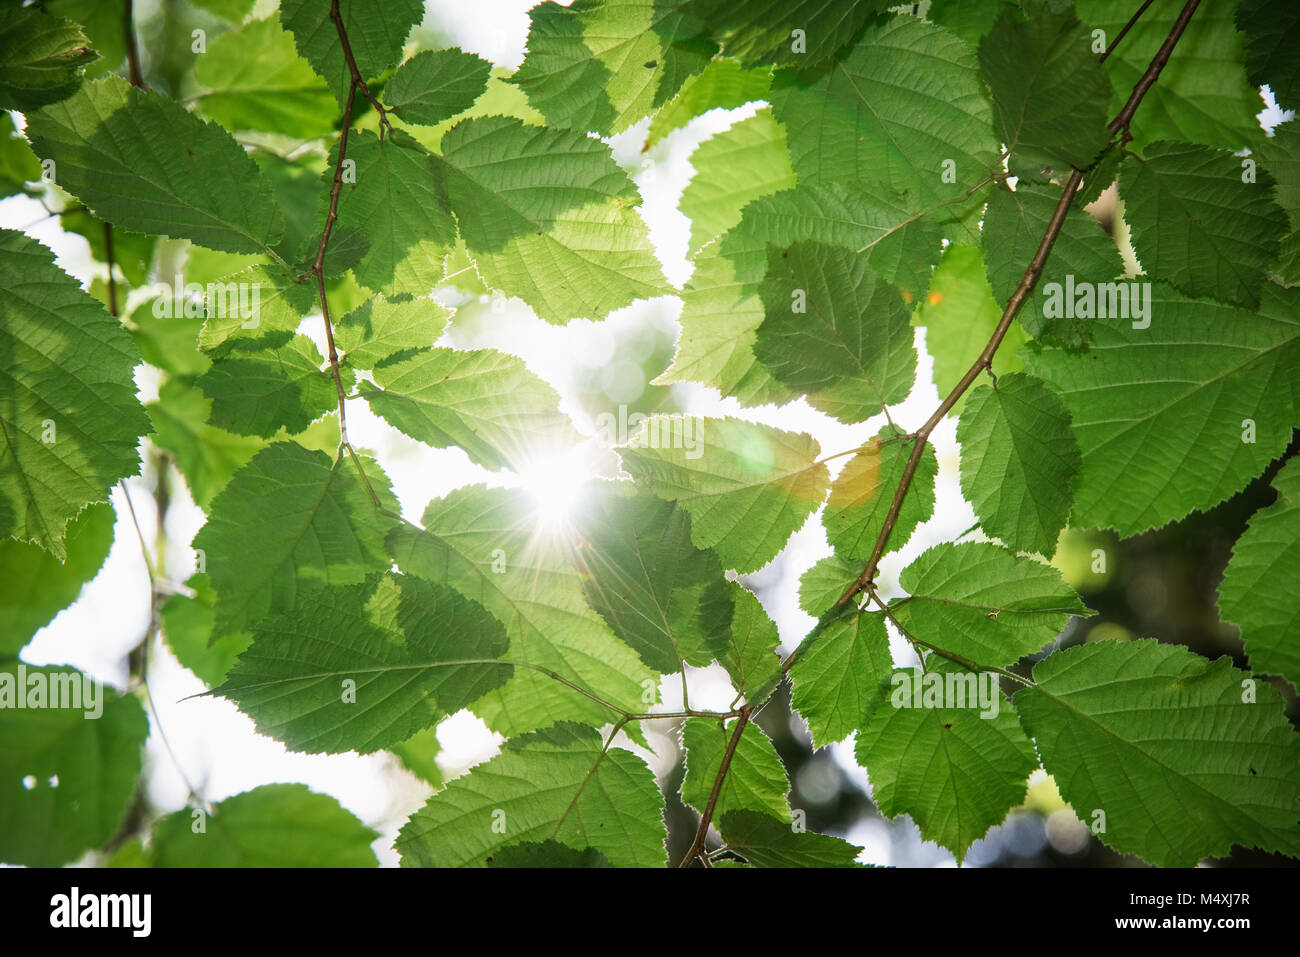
217,746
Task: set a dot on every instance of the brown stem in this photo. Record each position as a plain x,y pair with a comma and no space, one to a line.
132,53
702,832
112,283
1124,30
1022,292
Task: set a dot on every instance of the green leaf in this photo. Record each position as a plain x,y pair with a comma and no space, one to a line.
419,755
1257,589
18,164
290,519
1272,47
835,329
956,770
548,215
206,456
69,413
259,392
1202,95
376,33
751,657
1280,155
1181,415
435,85
601,66
41,58
1195,223
556,784
1019,460
547,854
755,781
1014,225
839,672
889,114
983,602
256,81
359,669
398,205
723,84
275,825
763,32
862,493
821,586
276,302
65,777
1161,741
380,329
959,315
187,625
489,545
1051,99
140,161
663,596
767,842
747,487
740,164
34,587
484,401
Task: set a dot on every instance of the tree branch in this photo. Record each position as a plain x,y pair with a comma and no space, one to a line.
702,832
1022,292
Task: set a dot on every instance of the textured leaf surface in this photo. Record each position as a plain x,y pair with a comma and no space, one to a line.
736,166
959,315
723,84
601,66
289,519
68,412
1161,741
767,842
483,401
380,330
65,778
41,58
1257,593
748,488
1050,93
1018,462
984,602
833,325
257,81
548,215
376,32
1272,47
362,669
888,113
275,825
954,771
864,490
756,780
435,85
1014,225
1196,225
751,657
488,545
1160,413
655,590
554,784
34,586
398,205
259,392
839,672
1203,94
140,161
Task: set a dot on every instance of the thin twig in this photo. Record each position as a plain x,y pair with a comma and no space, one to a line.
702,832
1125,29
1022,292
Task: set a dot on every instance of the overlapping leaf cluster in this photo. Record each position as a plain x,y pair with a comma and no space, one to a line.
898,171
